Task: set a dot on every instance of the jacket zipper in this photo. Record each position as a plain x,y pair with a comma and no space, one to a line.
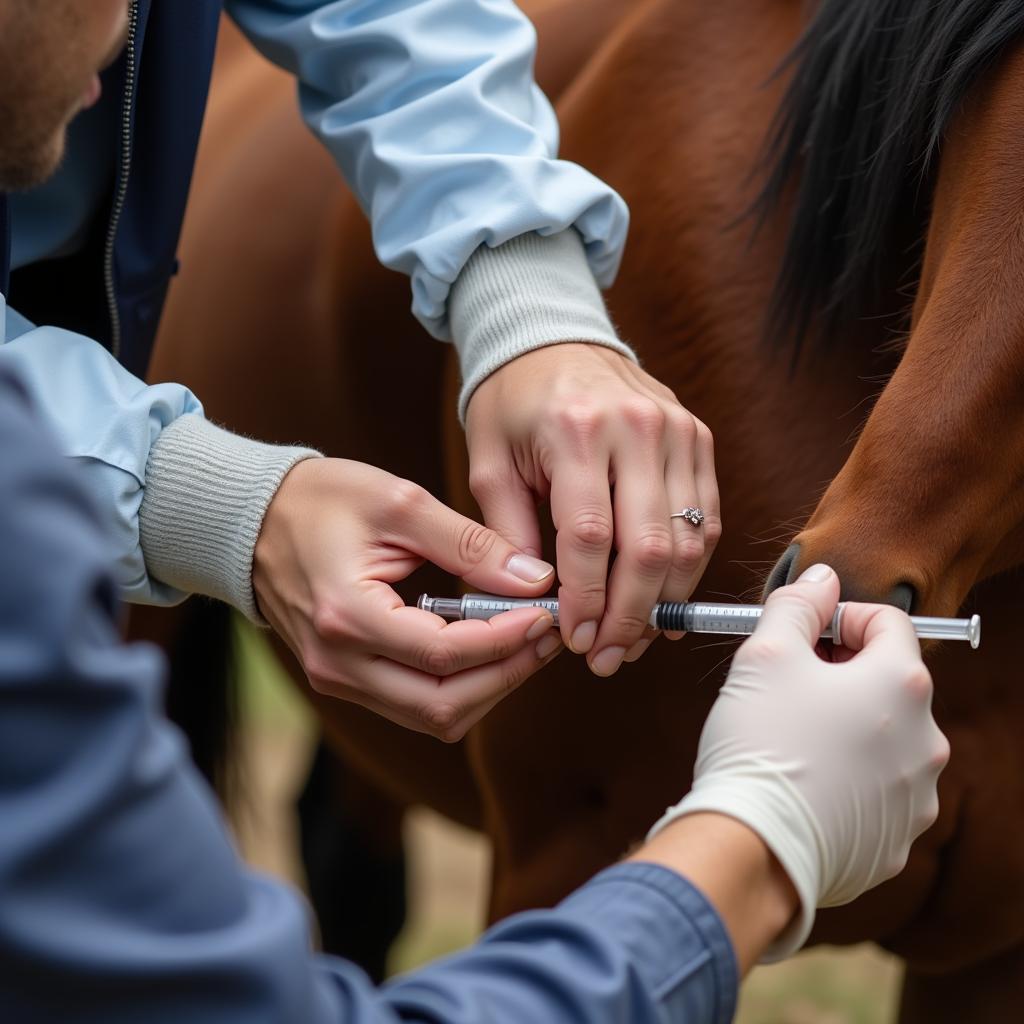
123,172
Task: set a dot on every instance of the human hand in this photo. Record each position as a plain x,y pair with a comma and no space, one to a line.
834,765
335,537
616,454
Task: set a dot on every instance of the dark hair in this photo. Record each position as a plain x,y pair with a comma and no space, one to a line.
875,84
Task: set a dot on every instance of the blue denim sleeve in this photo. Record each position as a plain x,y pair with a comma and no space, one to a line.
431,110
121,898
637,943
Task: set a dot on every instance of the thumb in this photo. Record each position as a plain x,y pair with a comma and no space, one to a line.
479,555
798,613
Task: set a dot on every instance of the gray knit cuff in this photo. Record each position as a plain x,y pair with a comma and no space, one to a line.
206,493
532,291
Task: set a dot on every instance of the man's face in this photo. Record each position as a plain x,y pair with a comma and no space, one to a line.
50,53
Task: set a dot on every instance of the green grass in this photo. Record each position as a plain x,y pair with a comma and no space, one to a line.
268,697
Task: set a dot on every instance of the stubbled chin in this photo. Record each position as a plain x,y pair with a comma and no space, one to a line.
19,172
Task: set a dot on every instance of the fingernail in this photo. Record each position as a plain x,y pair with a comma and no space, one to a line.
637,649
582,638
548,646
540,627
816,574
529,569
605,663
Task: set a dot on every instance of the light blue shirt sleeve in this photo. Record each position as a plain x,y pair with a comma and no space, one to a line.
106,420
430,108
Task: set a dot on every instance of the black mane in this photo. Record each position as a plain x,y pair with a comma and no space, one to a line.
875,85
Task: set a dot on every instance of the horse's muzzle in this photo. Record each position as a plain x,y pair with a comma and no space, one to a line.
789,567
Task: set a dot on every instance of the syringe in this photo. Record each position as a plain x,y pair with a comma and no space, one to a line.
691,616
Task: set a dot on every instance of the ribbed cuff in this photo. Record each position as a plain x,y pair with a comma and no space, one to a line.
531,292
779,815
206,493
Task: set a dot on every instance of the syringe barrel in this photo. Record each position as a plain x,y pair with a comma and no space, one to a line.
483,606
704,617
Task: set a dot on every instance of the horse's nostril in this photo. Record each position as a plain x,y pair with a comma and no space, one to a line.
787,568
903,596
784,570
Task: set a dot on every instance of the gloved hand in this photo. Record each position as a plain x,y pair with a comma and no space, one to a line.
834,765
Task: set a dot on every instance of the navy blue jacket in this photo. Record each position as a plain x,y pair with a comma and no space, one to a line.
175,46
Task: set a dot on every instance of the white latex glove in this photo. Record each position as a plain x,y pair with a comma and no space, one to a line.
834,765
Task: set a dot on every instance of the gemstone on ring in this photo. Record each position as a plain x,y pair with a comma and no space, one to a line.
694,516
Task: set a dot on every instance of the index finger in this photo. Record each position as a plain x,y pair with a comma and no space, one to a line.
414,638
423,641
581,510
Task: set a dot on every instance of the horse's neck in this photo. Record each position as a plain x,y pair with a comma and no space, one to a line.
674,113
569,33
978,200
232,48
967,342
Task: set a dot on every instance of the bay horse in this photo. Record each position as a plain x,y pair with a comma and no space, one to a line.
880,242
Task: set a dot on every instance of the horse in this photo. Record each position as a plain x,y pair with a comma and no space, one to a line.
828,224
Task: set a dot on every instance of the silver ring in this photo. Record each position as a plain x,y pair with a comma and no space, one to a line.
694,516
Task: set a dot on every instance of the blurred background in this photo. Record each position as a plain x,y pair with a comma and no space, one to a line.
448,869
